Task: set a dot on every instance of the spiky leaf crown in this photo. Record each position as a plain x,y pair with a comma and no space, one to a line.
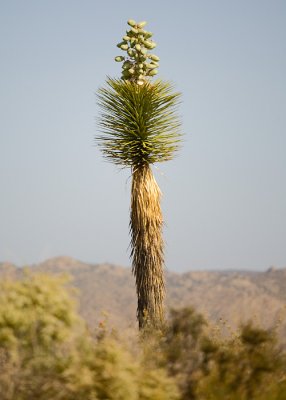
138,64
139,123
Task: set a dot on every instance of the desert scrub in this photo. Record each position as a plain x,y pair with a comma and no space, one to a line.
46,352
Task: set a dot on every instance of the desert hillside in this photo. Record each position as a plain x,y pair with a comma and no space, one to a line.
224,297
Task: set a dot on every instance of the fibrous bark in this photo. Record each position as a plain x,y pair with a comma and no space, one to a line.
147,246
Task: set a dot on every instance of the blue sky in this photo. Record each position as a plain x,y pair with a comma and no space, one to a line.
224,195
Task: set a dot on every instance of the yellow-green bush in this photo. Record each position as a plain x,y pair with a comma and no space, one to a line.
46,353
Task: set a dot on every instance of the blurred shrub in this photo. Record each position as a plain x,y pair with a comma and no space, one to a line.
38,323
46,352
249,366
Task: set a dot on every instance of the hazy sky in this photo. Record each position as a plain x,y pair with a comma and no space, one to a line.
224,195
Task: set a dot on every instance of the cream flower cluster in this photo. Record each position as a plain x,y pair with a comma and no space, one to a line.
138,64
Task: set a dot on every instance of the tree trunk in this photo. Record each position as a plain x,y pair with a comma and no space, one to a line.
147,246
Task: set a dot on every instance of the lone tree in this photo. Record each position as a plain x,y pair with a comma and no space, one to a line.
139,126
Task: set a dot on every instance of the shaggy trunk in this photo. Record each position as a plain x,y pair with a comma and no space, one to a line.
147,246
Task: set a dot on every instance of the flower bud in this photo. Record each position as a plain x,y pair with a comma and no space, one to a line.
154,57
130,52
148,35
142,24
148,44
124,47
151,66
131,22
119,58
153,72
120,44
126,74
137,47
126,65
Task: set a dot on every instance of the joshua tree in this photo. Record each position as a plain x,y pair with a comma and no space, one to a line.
139,126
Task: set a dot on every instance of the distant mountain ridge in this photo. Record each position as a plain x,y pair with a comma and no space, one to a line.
226,298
